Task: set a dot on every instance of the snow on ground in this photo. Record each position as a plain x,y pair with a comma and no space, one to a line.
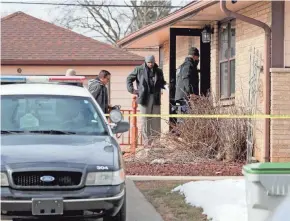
282,212
222,200
225,200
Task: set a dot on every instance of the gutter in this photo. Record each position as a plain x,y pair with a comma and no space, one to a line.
267,60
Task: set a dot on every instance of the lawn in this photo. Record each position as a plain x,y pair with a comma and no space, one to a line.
171,206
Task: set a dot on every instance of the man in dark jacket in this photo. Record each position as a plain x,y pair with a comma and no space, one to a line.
150,80
98,89
187,82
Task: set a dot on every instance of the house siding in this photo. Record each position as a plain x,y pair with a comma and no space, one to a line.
165,95
248,35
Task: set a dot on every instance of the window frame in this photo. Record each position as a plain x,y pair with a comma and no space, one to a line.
229,58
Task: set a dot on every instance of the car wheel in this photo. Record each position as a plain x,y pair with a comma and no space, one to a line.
121,215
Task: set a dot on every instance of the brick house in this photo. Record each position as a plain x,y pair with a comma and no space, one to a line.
30,46
227,75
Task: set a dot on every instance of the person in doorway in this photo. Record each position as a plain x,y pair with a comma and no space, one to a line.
149,81
187,80
97,87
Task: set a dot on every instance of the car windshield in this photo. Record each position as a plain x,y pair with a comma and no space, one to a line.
50,114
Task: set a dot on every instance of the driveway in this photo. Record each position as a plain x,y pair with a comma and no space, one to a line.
138,208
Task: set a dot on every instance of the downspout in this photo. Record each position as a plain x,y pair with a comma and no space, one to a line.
267,60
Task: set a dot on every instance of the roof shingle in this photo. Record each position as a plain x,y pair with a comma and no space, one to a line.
29,40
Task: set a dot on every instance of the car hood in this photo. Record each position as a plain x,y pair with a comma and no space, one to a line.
21,151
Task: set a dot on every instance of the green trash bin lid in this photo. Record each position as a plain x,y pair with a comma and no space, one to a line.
267,168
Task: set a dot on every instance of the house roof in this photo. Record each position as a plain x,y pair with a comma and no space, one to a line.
194,15
182,13
31,41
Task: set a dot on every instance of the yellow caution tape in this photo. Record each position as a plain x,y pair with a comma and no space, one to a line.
210,116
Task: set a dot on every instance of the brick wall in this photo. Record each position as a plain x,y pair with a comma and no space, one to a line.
248,35
280,104
165,95
214,62
287,33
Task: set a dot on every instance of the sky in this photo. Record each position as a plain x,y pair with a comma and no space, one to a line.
50,13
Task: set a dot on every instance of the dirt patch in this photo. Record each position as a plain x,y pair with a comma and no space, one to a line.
205,168
171,206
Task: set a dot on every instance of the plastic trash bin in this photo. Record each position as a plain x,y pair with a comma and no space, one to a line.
267,185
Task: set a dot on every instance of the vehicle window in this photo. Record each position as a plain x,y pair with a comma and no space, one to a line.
51,113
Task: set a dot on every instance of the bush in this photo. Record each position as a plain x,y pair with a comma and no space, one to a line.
211,138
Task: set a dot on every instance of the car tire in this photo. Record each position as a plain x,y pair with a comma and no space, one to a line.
120,216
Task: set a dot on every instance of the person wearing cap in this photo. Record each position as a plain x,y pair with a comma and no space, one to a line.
149,81
187,83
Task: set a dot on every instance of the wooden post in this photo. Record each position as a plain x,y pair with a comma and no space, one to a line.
134,129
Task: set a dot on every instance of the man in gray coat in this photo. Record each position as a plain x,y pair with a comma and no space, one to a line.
150,80
97,87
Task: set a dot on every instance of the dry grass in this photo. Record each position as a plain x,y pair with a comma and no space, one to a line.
221,139
171,206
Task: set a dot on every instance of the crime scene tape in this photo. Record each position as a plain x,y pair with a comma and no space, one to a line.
210,116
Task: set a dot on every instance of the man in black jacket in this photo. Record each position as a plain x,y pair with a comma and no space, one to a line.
187,80
97,87
150,80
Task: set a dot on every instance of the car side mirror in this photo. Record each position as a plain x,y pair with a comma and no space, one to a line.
116,116
121,127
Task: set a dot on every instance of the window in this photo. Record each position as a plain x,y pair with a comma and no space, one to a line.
227,50
69,114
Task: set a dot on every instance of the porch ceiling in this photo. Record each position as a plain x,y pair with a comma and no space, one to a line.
195,20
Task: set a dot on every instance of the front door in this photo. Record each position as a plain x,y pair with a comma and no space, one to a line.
204,61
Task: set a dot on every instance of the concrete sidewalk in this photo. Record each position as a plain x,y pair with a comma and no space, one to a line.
138,208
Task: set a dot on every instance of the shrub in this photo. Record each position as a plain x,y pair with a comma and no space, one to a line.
211,138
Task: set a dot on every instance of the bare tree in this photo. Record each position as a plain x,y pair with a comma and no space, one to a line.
148,14
111,23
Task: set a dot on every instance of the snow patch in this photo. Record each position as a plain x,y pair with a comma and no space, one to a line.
222,200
